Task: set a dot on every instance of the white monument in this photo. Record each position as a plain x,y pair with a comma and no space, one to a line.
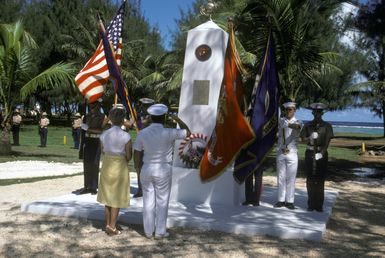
202,79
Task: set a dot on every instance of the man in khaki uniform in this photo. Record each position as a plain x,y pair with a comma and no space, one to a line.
16,121
43,129
76,130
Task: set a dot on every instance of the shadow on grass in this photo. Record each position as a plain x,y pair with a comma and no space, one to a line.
39,155
13,181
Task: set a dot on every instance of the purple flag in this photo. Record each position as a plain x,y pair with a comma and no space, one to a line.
263,116
117,80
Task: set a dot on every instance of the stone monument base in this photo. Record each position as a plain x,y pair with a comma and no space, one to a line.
187,187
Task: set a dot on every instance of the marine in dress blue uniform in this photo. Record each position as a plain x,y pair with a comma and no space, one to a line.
93,125
317,134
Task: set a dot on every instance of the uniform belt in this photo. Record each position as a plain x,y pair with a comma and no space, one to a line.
309,147
92,135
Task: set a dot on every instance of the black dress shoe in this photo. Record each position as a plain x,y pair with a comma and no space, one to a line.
279,205
93,191
246,203
138,194
255,203
319,209
290,206
84,191
310,209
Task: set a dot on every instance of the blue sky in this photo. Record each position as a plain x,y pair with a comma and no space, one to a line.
162,13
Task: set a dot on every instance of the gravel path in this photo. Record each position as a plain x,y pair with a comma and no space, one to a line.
29,169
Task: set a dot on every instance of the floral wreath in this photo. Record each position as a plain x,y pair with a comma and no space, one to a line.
192,148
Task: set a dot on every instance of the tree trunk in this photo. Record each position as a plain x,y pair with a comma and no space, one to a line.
5,146
383,116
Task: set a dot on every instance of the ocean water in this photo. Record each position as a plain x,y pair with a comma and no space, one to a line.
358,127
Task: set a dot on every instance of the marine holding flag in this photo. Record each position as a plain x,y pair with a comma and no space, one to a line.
103,65
232,131
263,116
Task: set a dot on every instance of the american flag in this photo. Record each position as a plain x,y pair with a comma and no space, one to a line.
95,73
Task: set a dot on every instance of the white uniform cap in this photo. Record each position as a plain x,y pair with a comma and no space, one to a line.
318,105
44,114
17,110
157,109
289,104
147,101
77,114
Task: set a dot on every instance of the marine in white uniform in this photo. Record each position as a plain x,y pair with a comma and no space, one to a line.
152,158
287,158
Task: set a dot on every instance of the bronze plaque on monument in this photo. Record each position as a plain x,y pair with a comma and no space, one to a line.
201,91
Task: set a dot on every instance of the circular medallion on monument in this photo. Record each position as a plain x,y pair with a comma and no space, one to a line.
203,52
191,149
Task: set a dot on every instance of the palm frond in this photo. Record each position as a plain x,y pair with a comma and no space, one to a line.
55,76
367,86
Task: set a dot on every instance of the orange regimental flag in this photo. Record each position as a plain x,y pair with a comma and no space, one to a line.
232,131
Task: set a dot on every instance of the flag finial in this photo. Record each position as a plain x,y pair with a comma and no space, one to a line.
208,9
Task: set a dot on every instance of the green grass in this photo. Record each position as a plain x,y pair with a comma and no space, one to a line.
31,180
57,151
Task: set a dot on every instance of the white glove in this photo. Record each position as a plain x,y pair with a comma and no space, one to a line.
314,135
318,156
84,126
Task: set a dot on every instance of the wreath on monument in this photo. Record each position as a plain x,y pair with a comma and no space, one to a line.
192,148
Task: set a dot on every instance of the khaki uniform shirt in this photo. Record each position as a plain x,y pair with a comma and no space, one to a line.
76,123
44,122
16,119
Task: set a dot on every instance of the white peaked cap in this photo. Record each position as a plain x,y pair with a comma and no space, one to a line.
289,104
157,109
44,114
318,105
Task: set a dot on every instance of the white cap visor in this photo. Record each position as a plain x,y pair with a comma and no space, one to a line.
157,109
289,105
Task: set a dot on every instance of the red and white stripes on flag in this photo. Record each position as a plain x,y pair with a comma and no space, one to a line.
94,75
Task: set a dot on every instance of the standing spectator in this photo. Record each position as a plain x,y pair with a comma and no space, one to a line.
43,129
145,119
76,130
287,158
16,121
93,124
317,134
152,158
114,187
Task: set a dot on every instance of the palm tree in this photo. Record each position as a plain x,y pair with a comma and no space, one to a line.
17,77
299,57
162,77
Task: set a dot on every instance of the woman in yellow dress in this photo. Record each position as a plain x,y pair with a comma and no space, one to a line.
114,186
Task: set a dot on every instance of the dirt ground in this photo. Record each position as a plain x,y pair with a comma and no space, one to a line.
356,229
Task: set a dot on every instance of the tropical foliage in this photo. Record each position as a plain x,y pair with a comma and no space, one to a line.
17,78
370,22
